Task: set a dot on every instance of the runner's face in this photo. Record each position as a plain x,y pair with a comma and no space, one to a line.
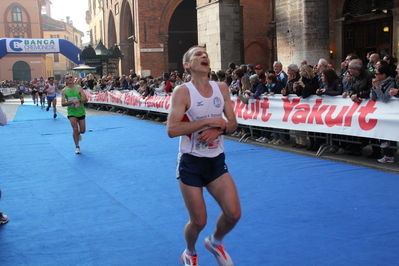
69,79
199,59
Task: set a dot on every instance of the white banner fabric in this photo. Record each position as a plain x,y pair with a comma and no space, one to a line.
325,114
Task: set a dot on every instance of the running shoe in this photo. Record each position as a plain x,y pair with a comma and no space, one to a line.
220,254
48,108
385,144
189,260
55,116
77,150
386,159
3,218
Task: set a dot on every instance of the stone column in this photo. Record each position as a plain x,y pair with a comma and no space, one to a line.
302,31
219,27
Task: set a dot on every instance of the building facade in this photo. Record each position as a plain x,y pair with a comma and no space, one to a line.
154,34
21,19
57,65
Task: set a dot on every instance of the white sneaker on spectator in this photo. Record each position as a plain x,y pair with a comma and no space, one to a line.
384,144
264,140
259,139
341,151
386,159
272,141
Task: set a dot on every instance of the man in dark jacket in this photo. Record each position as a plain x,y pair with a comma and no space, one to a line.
361,84
361,80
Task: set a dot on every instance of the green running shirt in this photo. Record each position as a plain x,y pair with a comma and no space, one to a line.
73,95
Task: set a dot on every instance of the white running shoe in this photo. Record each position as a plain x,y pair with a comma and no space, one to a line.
189,260
3,218
77,150
222,257
386,159
384,144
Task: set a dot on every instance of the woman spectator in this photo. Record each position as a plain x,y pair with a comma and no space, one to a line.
306,86
382,85
235,85
333,84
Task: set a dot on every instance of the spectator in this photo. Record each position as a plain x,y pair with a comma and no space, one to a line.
282,77
143,86
273,86
261,73
222,76
360,87
250,70
235,85
373,59
321,65
382,85
244,69
390,60
293,76
332,83
257,88
306,86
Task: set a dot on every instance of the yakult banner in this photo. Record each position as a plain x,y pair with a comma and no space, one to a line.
326,114
32,46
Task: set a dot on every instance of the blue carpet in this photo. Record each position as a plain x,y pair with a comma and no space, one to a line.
118,202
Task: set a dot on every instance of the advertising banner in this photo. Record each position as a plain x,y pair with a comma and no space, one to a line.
325,114
32,46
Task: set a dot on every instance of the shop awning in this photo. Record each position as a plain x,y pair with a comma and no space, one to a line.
85,69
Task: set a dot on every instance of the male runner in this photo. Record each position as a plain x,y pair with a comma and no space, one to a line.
73,96
21,90
196,116
51,92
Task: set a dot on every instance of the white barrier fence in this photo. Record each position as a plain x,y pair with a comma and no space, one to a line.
324,114
8,91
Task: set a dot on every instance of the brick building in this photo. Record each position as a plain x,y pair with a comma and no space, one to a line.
21,19
154,34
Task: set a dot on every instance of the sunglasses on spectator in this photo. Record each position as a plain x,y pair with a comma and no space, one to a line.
68,77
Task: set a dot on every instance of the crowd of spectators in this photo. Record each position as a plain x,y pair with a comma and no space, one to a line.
376,79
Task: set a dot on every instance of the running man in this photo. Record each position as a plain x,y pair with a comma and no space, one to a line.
73,96
51,92
42,94
21,90
196,116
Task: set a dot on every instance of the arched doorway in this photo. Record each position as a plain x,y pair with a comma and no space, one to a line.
183,33
127,38
21,71
368,27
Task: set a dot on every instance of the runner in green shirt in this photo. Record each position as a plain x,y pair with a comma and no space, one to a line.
73,96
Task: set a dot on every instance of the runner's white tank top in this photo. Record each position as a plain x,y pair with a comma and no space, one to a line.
202,108
51,90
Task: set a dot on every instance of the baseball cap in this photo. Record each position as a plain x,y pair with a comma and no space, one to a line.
258,67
